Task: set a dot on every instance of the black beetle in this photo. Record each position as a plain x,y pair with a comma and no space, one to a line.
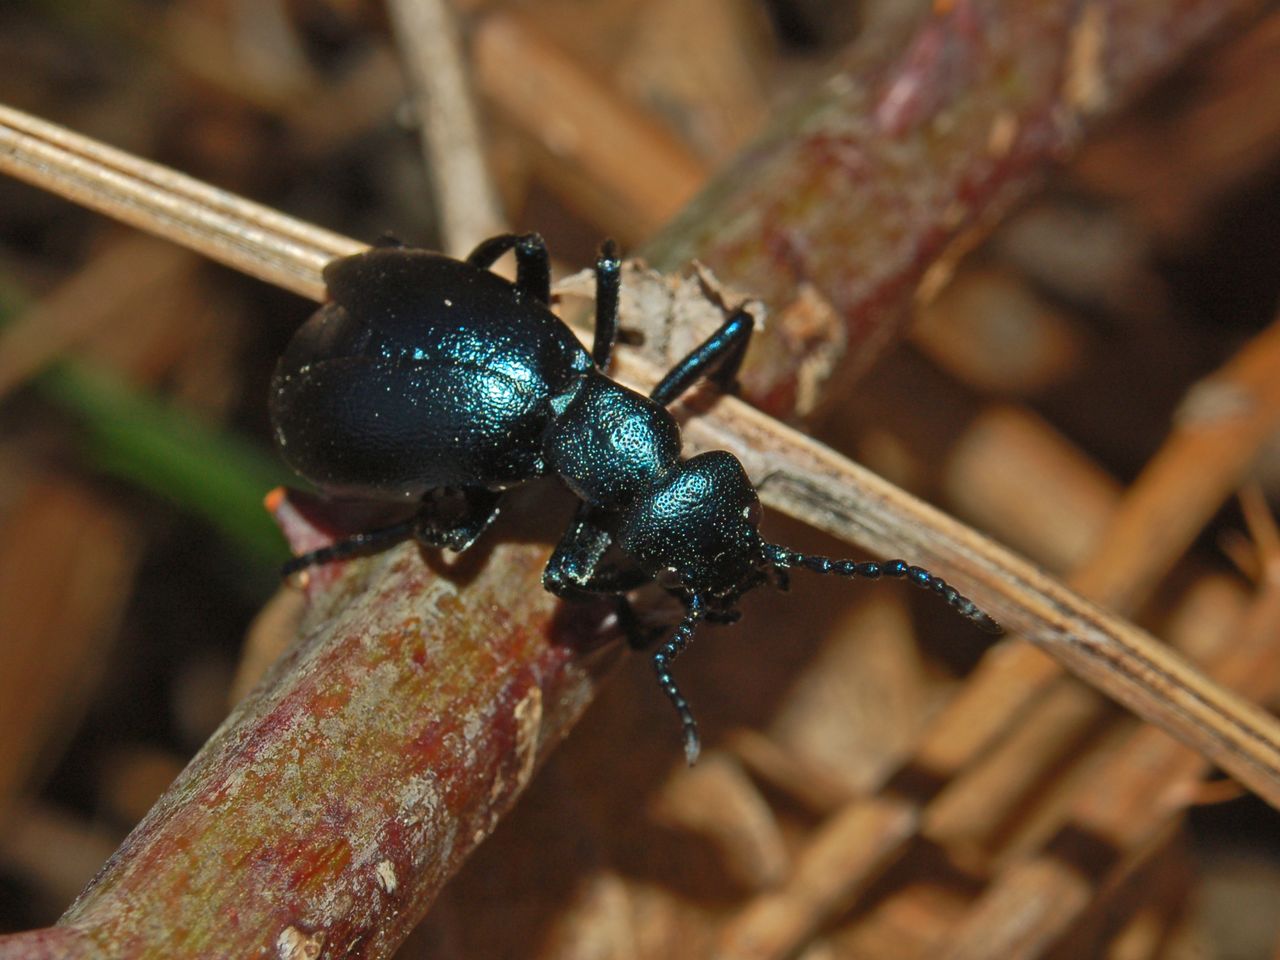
433,380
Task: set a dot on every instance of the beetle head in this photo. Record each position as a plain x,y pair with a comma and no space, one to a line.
697,532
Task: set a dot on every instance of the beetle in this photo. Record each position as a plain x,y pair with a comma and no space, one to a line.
433,381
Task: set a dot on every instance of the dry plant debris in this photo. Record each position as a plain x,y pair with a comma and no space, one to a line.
876,790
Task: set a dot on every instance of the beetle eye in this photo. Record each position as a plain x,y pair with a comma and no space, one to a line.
753,512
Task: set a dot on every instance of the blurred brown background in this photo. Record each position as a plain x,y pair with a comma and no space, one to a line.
1028,394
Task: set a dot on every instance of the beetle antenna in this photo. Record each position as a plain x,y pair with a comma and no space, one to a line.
785,559
662,660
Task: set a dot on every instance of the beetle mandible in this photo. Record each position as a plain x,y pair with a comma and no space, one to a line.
434,381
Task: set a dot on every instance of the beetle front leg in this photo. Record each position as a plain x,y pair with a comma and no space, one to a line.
717,358
574,570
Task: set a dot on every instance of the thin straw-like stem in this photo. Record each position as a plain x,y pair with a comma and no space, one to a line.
224,227
449,127
798,476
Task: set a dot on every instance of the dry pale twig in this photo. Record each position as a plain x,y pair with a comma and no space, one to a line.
220,225
1197,467
427,34
1136,794
1017,689
798,477
603,152
1015,721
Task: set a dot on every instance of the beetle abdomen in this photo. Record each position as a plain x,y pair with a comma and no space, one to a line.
366,428
391,396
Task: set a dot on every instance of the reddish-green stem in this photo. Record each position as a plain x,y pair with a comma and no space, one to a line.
338,797
867,191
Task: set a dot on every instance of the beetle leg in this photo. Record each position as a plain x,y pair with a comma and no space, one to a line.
717,358
574,569
574,572
639,636
533,266
608,285
359,544
454,517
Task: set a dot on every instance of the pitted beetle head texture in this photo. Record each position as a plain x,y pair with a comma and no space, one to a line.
698,528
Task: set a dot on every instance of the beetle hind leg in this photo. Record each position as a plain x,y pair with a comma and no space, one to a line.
454,517
533,266
358,545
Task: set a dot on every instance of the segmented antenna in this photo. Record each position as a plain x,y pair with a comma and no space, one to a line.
874,570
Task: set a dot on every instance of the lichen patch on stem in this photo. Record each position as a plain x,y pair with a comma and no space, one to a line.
295,944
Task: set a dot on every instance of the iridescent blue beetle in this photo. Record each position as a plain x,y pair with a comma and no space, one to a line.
433,380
